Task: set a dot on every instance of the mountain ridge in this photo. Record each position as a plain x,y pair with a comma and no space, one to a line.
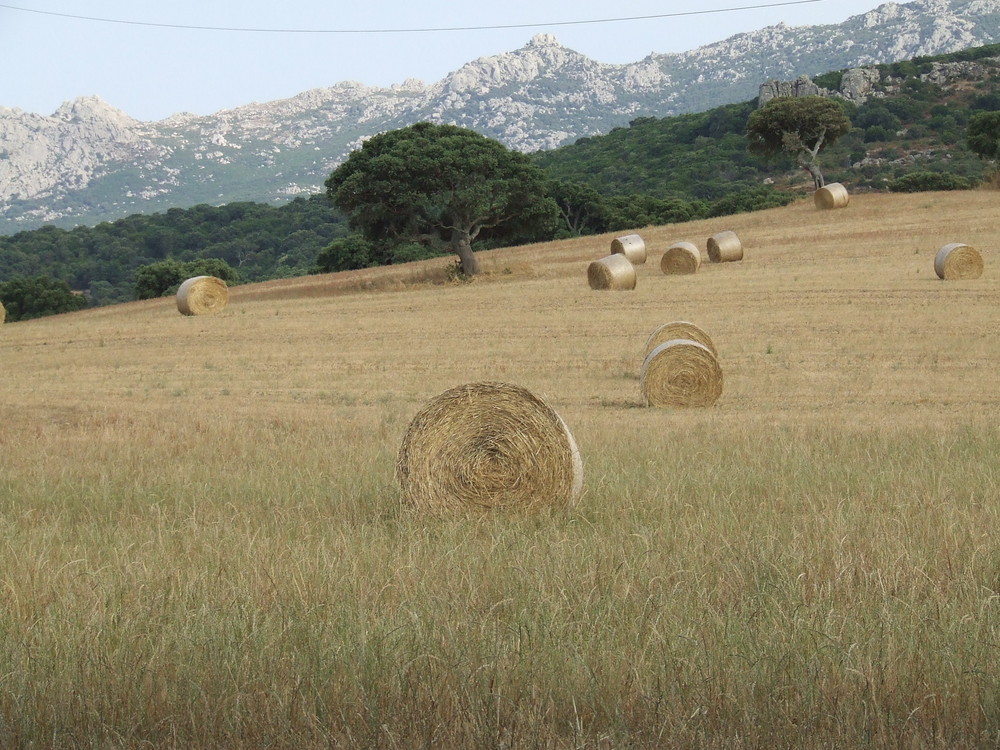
89,161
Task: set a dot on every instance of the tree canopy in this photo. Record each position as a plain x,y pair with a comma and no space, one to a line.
983,135
34,297
798,125
442,186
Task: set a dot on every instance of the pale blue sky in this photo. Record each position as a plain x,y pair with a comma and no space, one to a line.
153,72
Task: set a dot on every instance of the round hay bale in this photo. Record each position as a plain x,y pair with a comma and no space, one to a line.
631,246
958,261
681,257
611,272
487,445
201,295
3,314
724,247
678,329
681,372
833,195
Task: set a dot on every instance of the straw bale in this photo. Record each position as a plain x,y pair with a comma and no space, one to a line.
631,246
681,257
958,261
678,329
614,272
201,295
833,195
488,445
724,247
681,372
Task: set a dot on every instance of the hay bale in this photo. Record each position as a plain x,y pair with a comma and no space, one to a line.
486,445
678,329
611,272
681,257
681,372
724,247
958,261
201,295
3,314
631,246
833,195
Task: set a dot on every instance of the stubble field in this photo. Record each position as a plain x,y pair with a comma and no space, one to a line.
202,544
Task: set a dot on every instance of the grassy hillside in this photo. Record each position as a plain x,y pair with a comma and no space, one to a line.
202,545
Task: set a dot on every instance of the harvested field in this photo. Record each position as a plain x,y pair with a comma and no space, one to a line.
203,543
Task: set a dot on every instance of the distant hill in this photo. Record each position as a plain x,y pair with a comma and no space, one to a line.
90,162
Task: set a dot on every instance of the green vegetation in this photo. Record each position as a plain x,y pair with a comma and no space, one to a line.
162,279
916,182
261,241
799,126
441,186
984,134
25,298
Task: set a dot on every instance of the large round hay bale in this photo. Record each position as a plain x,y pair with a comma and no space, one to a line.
724,247
201,295
612,272
681,372
833,195
486,445
958,261
3,314
678,329
631,246
681,257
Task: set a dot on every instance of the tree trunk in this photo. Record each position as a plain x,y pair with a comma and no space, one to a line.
461,244
817,176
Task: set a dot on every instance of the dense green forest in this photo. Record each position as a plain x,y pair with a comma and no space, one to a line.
909,135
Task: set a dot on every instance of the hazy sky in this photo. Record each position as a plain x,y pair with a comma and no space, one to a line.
151,72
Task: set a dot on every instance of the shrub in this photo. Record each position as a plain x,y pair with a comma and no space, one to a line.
162,278
916,182
751,199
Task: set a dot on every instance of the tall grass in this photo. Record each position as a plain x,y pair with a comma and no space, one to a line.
202,544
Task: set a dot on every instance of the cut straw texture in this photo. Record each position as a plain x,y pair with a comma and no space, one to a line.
680,258
681,373
631,246
725,247
833,195
202,295
678,329
614,272
487,445
958,261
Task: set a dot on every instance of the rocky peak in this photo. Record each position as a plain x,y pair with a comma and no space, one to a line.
540,56
91,108
543,40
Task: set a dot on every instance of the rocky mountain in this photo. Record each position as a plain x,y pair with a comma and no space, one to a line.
89,162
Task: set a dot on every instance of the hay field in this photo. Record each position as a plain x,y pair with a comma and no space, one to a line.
202,545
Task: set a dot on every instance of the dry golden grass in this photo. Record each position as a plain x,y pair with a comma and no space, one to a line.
201,543
852,325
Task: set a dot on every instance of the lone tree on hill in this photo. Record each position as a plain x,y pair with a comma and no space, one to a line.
798,125
441,185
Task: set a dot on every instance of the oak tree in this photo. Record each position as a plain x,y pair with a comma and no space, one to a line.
798,125
443,186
